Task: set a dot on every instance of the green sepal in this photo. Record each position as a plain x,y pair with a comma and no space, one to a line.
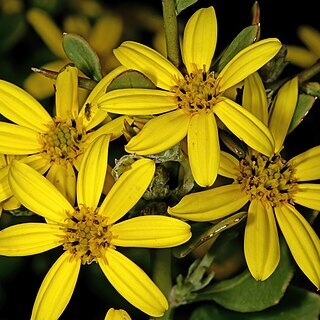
82,55
246,37
296,304
183,4
244,294
304,104
130,79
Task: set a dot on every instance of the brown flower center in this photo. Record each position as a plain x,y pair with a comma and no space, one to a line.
86,235
197,92
64,141
270,180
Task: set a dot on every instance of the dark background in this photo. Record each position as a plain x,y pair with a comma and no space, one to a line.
20,278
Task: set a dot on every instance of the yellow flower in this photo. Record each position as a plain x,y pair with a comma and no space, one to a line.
54,144
272,185
89,233
305,57
113,314
103,37
189,103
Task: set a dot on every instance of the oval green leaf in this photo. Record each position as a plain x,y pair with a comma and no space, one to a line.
82,55
183,4
246,37
304,104
244,294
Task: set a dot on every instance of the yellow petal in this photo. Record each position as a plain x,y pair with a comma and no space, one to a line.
282,111
308,195
229,165
37,193
200,39
307,164
203,148
29,238
37,162
11,204
67,104
210,204
114,128
160,133
40,86
57,288
150,232
261,242
245,126
302,241
128,190
90,113
92,172
120,314
133,284
254,97
300,57
78,24
155,66
20,107
248,61
47,30
311,37
137,101
5,190
63,177
18,140
97,36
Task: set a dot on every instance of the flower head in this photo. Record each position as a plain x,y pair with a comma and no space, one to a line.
272,186
189,103
90,233
54,144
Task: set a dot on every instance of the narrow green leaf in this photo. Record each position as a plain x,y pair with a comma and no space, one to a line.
82,55
244,294
304,104
130,79
183,4
296,304
246,37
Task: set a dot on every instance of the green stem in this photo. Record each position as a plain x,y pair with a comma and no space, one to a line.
162,260
171,32
307,74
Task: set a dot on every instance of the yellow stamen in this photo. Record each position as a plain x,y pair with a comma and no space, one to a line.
270,180
64,141
197,92
86,235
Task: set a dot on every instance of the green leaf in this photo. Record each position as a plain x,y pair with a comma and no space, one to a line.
312,88
82,55
246,37
296,304
183,4
244,294
304,104
130,79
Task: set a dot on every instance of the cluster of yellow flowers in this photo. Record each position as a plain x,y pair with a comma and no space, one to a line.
56,166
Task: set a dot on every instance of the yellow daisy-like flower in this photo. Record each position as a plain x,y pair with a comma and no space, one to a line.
305,57
54,144
189,103
102,43
120,314
272,185
89,233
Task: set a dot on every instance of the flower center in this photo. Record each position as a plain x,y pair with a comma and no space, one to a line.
196,92
270,180
64,141
86,235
